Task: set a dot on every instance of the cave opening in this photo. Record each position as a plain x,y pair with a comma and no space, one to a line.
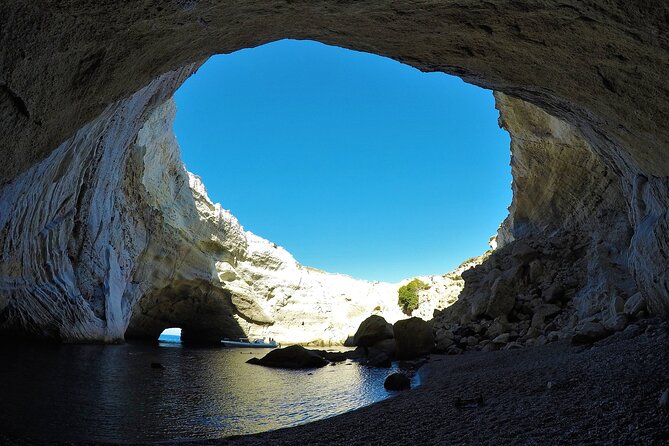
353,162
170,335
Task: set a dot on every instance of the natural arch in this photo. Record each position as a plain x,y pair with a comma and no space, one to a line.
84,229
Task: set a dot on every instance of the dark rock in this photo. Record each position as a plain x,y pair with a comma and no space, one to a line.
378,358
413,337
590,332
663,402
397,381
387,346
502,296
335,356
293,357
372,330
634,305
157,365
553,294
358,353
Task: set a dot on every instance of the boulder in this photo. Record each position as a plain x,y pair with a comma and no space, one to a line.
377,358
541,313
293,357
372,330
387,346
589,332
413,337
502,297
397,381
382,353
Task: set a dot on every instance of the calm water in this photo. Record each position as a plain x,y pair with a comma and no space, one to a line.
111,393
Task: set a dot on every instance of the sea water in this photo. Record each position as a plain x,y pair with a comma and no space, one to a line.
112,393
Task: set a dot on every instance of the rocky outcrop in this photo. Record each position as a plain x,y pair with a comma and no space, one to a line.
562,268
178,260
293,357
91,245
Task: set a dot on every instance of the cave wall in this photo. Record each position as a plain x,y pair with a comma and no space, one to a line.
78,80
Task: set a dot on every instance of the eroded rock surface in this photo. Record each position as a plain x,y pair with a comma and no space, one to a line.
175,258
92,245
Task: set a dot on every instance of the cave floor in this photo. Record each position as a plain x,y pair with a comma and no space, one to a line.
607,393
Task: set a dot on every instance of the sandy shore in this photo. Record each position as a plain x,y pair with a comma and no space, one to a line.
602,394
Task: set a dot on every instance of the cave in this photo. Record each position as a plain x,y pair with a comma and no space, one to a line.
80,84
104,234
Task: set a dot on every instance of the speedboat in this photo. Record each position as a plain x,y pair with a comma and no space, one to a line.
247,343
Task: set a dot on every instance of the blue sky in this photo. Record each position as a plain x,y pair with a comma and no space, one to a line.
354,163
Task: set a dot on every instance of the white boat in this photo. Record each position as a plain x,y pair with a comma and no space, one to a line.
247,343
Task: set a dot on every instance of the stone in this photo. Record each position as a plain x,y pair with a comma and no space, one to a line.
157,365
397,381
413,338
663,402
502,298
590,332
292,357
377,358
372,330
634,305
387,346
553,294
542,312
616,323
501,339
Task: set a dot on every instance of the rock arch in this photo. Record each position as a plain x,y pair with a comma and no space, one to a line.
78,82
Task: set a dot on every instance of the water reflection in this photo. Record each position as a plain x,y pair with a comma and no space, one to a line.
111,393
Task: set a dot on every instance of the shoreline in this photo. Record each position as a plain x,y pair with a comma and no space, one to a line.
606,393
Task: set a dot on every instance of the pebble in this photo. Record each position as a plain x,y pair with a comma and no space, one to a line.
664,399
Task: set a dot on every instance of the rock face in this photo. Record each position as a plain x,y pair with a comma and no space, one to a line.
175,260
91,245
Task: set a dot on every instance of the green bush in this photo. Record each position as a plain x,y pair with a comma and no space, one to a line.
407,295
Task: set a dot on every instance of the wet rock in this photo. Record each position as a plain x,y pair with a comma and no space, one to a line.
413,337
397,381
334,356
372,330
293,357
377,358
589,332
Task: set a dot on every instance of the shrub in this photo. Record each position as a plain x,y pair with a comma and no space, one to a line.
407,295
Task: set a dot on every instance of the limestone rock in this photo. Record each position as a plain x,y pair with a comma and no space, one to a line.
372,330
